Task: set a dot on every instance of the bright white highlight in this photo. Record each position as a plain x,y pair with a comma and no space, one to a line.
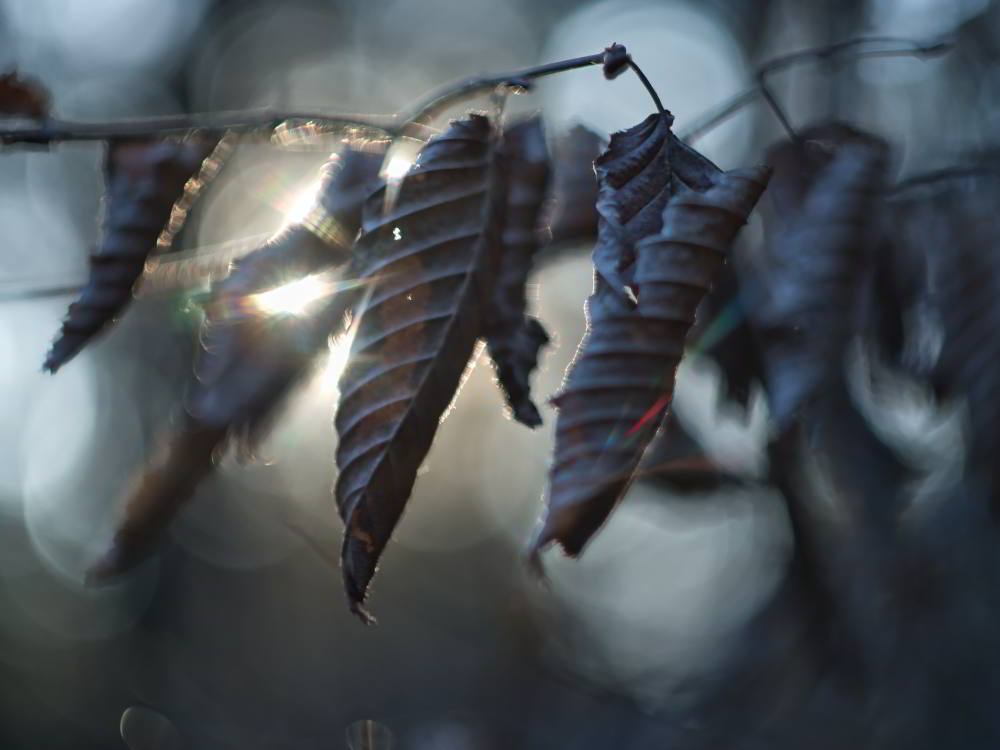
300,206
397,167
294,298
340,351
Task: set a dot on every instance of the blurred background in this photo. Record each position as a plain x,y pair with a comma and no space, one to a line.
238,631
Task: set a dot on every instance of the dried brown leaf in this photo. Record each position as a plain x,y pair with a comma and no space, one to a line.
428,260
660,245
143,180
252,357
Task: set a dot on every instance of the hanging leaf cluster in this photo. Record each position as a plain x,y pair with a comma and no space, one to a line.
432,266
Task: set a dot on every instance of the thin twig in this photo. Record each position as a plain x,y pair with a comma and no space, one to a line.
777,109
439,100
268,122
909,48
265,121
905,48
243,122
948,173
719,115
649,87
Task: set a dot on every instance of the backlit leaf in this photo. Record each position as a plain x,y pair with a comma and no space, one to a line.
143,181
514,338
428,261
660,244
254,352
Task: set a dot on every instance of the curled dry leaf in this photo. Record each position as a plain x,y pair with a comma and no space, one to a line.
20,96
514,338
660,244
428,261
570,214
253,353
807,306
143,181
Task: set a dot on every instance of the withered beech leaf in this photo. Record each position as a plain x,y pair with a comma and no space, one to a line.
143,180
807,308
621,382
20,96
252,355
570,213
514,338
634,185
428,262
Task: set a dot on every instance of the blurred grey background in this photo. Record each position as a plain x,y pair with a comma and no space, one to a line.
239,631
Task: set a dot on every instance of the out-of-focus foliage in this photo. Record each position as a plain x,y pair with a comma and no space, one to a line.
850,607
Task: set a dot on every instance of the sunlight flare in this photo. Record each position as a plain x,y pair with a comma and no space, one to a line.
397,167
294,298
300,204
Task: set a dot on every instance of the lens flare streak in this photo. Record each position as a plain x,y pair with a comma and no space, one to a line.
298,297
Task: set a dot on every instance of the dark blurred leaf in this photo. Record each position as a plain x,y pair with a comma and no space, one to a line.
960,229
621,382
252,356
429,261
155,497
514,338
805,308
143,181
20,96
571,215
843,487
724,333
